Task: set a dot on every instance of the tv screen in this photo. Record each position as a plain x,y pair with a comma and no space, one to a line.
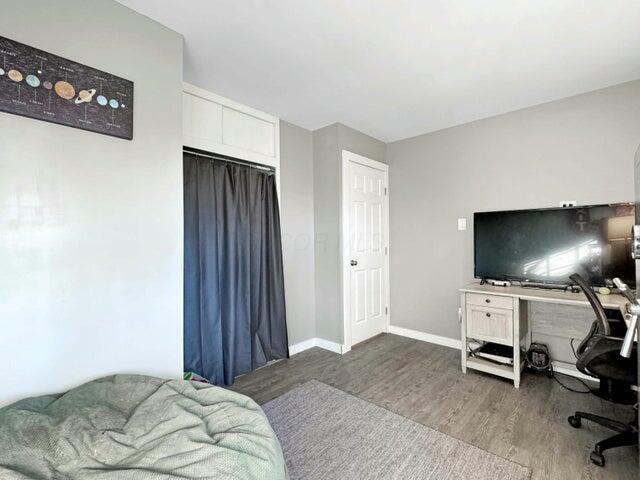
549,245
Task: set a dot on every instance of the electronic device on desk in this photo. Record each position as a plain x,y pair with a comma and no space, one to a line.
495,283
493,352
542,247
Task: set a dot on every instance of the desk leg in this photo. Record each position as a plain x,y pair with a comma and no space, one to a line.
516,342
463,331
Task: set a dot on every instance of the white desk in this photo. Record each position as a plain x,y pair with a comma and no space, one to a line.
496,314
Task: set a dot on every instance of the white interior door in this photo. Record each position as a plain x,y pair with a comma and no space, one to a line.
366,247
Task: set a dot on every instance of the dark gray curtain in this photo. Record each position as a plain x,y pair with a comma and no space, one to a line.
234,310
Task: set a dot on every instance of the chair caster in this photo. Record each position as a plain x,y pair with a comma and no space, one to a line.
597,458
575,422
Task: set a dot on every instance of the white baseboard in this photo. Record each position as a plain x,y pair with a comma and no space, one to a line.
318,342
302,346
571,370
425,337
331,346
560,367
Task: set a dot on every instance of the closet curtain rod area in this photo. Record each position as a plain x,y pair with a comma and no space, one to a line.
224,158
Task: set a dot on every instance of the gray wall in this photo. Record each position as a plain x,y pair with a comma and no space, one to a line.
296,186
580,148
360,143
328,143
90,225
326,197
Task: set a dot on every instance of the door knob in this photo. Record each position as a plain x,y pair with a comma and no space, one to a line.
354,263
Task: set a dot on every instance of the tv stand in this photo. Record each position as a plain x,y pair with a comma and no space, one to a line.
500,315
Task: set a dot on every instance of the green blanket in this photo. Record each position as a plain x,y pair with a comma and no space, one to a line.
132,427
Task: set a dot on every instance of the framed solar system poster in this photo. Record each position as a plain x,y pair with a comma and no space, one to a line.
40,85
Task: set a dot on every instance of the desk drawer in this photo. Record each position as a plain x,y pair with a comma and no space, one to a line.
495,301
490,324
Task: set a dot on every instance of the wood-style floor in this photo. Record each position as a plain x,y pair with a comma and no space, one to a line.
423,382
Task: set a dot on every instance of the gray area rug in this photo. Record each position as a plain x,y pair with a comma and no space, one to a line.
326,434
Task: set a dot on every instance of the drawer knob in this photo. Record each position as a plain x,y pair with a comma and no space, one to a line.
488,300
488,314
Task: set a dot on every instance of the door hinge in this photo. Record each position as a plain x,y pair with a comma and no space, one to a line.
385,190
386,310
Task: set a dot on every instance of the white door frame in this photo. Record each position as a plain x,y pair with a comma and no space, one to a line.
345,254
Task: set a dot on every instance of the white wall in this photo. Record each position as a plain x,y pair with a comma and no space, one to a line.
91,225
580,148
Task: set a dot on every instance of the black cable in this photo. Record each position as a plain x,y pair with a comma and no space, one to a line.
589,390
548,367
553,374
573,349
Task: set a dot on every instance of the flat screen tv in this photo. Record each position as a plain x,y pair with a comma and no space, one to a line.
548,245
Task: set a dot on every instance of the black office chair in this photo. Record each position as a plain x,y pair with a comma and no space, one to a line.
599,357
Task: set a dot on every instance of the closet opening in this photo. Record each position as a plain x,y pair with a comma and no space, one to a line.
234,303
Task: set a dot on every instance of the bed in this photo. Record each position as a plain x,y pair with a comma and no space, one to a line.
133,427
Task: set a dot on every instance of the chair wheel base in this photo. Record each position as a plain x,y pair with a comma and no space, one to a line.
575,422
597,459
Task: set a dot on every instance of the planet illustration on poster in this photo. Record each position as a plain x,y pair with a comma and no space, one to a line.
85,96
65,90
44,86
15,75
33,81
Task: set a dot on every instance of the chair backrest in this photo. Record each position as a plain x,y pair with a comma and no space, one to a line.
598,309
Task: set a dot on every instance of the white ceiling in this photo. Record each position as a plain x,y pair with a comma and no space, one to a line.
399,68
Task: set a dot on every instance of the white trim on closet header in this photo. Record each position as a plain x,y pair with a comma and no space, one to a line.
216,124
